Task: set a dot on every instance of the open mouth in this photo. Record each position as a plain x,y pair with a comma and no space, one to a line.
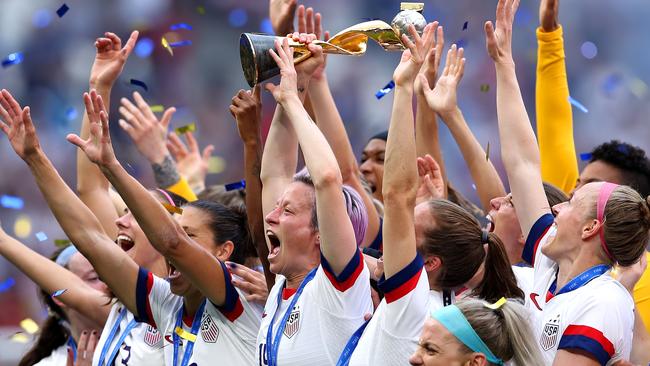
274,241
173,272
490,223
125,242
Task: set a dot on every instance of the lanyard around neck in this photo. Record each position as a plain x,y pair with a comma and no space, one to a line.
120,340
580,280
190,338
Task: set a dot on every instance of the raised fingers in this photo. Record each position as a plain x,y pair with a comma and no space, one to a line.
131,113
115,40
302,21
143,106
176,146
191,142
310,20
130,44
318,27
14,107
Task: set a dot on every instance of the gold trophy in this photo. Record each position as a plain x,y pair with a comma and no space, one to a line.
258,65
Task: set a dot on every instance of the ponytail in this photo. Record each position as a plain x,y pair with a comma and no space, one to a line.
53,334
505,331
498,280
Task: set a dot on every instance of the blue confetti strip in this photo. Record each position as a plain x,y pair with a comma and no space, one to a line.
62,10
578,105
59,292
140,84
186,42
585,156
180,26
11,202
7,284
13,59
236,185
41,236
385,90
465,25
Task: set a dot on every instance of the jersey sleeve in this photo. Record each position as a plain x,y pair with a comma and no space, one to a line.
154,300
233,306
601,328
554,115
535,236
349,292
406,294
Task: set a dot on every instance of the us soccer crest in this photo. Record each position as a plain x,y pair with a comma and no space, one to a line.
550,334
209,329
293,323
152,336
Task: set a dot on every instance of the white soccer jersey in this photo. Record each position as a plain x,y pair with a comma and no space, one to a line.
596,318
227,334
324,317
392,334
142,346
525,278
58,357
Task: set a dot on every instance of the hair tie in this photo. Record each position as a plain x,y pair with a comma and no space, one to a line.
497,304
606,191
485,236
64,257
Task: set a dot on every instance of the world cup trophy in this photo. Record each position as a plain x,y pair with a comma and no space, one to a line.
258,65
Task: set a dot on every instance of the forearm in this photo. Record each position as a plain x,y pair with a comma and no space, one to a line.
488,182
554,115
51,277
160,228
331,125
640,354
252,167
427,139
92,186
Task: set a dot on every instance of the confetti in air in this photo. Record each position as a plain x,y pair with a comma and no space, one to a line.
41,236
585,156
180,26
139,83
172,209
385,90
12,59
157,108
29,325
236,185
7,284
13,202
62,10
578,105
58,293
185,129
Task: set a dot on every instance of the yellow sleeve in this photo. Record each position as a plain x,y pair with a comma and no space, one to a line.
642,296
554,118
182,188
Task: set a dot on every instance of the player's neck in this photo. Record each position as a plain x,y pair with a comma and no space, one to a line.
570,269
192,303
294,280
159,267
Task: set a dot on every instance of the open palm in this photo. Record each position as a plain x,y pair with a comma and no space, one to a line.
97,147
16,123
443,97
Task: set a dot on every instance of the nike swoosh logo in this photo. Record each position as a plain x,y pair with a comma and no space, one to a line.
533,298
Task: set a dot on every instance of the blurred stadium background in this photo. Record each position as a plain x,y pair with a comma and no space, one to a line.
607,55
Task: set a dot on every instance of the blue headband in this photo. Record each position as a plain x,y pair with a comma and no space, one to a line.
453,319
64,258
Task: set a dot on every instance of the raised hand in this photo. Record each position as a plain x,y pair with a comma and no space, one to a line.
413,58
432,61
311,23
191,163
284,58
281,13
499,40
442,98
432,185
306,69
246,108
97,147
85,349
16,123
110,59
548,14
141,124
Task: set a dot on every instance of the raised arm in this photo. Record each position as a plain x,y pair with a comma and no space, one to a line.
427,139
519,150
112,264
554,115
246,108
337,237
51,277
331,125
165,234
400,165
150,138
92,187
442,100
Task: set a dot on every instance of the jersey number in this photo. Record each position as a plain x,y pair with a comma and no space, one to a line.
125,361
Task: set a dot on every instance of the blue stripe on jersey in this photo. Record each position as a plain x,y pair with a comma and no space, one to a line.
349,269
536,233
231,293
141,296
401,277
584,343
